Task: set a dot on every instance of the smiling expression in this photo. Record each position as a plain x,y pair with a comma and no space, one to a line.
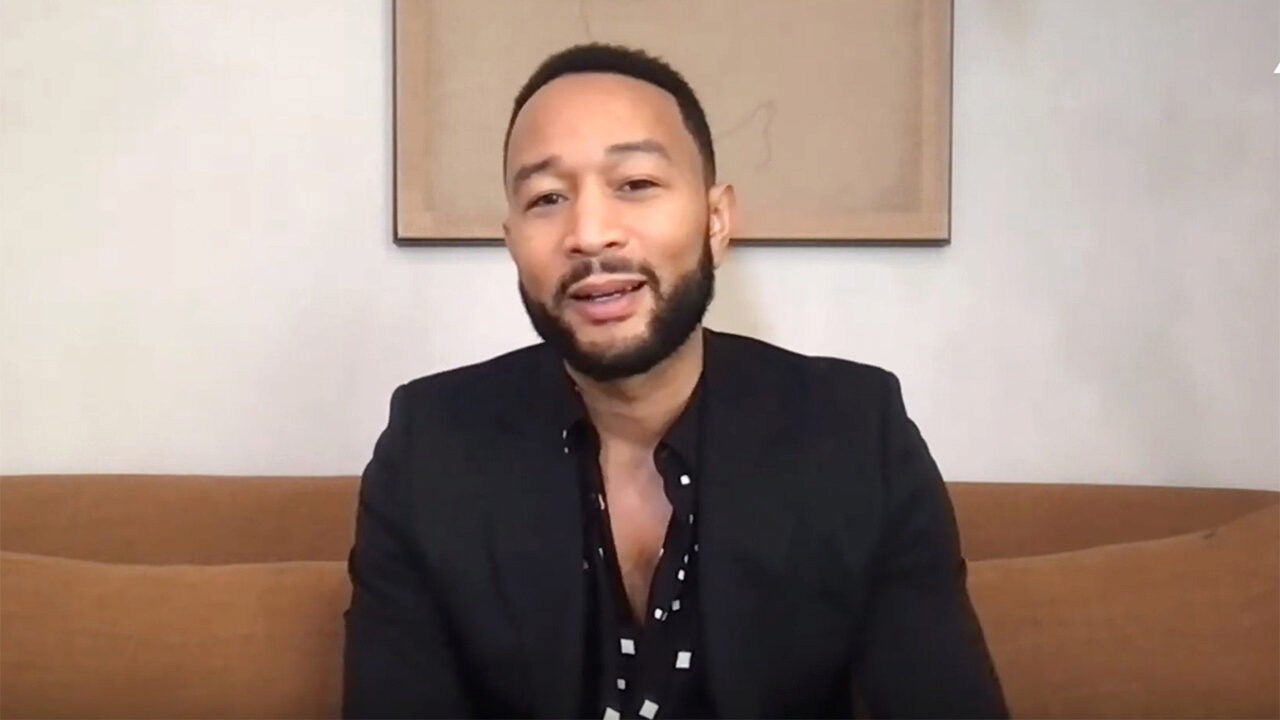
612,226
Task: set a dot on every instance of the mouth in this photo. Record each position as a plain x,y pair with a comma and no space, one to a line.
604,291
606,301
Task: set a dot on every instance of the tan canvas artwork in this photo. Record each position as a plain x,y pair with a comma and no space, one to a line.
832,118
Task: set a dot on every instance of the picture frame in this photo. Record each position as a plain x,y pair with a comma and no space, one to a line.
832,118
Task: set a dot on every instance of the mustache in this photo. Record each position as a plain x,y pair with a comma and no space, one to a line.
585,268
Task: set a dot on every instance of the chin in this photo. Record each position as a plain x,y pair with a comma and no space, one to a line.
612,339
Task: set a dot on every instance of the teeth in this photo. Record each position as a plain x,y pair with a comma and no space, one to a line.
614,294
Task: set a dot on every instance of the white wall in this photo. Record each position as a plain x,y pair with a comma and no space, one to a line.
197,270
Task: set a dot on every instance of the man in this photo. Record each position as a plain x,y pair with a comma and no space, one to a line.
640,517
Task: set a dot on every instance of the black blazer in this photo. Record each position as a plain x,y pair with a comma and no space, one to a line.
829,559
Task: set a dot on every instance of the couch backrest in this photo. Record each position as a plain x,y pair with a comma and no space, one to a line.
1004,520
158,519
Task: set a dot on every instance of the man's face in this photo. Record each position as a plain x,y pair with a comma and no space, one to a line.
613,231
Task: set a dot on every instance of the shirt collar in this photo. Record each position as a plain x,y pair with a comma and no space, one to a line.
682,437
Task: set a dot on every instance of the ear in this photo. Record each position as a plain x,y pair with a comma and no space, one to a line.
722,209
506,235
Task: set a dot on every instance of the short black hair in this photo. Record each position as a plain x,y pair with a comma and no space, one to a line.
619,60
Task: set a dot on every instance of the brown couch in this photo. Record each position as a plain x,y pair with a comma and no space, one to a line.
161,596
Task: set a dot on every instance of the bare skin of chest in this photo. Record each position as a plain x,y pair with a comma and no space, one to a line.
638,513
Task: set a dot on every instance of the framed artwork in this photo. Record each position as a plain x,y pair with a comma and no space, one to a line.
832,118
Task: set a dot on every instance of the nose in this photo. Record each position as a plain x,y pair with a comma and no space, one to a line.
594,228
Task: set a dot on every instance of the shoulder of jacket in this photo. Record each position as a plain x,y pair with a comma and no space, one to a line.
478,380
819,368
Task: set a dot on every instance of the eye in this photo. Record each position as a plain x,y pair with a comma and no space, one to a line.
544,200
638,185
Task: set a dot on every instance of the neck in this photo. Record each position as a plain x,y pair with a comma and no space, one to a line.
637,410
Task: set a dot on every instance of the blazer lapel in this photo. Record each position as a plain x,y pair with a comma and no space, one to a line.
536,543
750,448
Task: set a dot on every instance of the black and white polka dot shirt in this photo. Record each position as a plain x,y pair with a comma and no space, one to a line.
654,669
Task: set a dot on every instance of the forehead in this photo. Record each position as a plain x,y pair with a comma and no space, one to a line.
577,116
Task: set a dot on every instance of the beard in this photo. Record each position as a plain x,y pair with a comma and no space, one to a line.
677,313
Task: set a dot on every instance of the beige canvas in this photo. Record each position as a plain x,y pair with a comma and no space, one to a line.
831,117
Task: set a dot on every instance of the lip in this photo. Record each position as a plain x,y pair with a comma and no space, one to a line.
609,310
602,286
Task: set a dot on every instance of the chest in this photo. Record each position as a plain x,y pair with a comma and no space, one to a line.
639,512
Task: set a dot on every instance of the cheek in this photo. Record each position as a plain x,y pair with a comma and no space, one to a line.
538,274
672,237
676,260
673,217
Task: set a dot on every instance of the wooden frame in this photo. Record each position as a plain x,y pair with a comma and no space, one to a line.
843,137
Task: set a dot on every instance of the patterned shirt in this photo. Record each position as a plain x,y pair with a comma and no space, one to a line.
654,669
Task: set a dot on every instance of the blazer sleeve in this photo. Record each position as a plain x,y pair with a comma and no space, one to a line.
923,653
397,659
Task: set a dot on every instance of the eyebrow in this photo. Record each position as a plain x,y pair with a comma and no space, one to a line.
529,170
651,147
648,147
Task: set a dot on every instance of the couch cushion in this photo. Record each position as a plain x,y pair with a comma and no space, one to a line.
1187,626
87,639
